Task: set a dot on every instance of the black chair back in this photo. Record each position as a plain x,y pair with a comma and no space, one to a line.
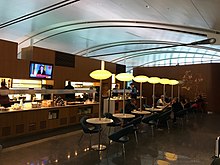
164,116
181,113
108,115
134,122
153,116
216,161
86,127
116,121
121,133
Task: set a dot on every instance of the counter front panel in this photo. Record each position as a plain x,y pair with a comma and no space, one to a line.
21,122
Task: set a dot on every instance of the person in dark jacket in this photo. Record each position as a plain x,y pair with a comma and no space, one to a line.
70,97
130,105
176,107
4,99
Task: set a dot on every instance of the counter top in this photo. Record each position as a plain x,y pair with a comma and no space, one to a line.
42,108
121,98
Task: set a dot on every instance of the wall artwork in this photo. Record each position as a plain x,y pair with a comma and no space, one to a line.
193,84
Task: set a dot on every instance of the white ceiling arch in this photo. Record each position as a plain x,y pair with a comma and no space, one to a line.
91,28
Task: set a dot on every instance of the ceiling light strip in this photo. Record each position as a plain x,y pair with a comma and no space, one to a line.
36,13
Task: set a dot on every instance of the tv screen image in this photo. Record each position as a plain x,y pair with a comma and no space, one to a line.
41,70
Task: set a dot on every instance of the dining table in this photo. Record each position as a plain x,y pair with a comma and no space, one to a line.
143,112
154,109
123,115
100,121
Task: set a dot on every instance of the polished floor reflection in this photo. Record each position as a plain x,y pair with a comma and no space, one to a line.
190,144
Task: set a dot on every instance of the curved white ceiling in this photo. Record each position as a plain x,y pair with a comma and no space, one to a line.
121,31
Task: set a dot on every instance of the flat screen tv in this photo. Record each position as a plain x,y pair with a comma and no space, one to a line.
41,70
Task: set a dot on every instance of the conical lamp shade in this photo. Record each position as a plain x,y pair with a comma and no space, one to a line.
140,78
100,74
164,81
124,77
153,80
173,82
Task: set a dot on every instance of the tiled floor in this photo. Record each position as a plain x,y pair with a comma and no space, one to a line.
192,144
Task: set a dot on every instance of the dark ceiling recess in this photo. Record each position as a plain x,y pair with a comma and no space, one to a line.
64,59
120,68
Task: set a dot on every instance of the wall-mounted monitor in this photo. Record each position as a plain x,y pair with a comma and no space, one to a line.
41,70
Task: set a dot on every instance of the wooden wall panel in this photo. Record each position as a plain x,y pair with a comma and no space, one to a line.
22,69
8,58
214,87
204,80
43,55
12,67
80,72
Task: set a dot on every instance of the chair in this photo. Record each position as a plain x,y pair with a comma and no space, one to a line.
151,121
180,115
116,122
88,129
216,161
134,122
163,118
121,136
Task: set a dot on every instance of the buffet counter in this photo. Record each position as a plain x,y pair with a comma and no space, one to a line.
31,120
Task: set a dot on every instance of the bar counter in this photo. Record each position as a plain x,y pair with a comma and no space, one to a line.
26,121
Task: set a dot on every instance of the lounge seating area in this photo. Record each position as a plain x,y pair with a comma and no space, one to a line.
182,141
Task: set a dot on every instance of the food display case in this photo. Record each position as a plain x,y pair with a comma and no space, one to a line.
32,117
81,87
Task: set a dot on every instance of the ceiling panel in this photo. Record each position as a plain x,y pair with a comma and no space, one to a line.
148,21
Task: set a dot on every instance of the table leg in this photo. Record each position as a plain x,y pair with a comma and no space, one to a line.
99,146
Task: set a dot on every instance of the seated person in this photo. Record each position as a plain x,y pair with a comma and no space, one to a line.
130,105
176,107
186,104
199,103
161,102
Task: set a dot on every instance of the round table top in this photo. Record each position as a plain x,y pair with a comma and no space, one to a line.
161,107
141,112
153,109
99,121
123,115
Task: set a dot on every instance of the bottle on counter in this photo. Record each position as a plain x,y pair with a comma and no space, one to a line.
21,103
